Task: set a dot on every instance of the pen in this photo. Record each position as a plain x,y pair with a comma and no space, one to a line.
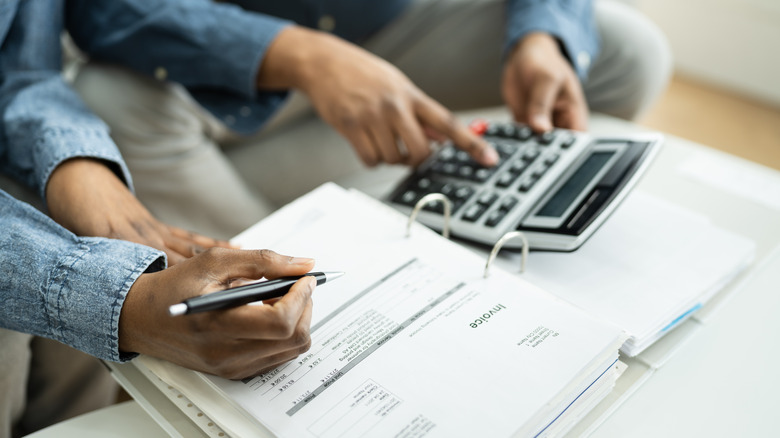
238,296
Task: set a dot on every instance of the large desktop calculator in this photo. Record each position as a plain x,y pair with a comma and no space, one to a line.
557,187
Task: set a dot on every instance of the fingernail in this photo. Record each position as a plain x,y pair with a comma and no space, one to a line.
300,260
311,283
489,156
542,122
197,249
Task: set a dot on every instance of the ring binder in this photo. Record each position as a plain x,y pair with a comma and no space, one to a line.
497,247
425,200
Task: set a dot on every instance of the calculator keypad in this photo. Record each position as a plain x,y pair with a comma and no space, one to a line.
486,196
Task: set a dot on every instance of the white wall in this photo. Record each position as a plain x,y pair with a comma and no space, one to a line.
731,43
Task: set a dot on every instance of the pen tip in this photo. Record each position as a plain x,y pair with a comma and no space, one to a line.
177,309
333,275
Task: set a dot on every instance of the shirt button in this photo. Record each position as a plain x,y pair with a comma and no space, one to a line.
326,23
160,73
230,120
245,111
583,60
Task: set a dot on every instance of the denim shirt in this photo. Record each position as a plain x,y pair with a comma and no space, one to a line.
63,287
71,289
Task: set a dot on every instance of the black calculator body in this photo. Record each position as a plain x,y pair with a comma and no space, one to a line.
557,187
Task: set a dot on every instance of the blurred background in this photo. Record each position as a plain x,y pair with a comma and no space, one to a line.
726,88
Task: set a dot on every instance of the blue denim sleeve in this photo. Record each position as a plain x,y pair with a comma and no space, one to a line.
570,21
44,122
70,289
213,49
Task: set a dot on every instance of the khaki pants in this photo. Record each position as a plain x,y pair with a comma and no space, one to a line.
43,382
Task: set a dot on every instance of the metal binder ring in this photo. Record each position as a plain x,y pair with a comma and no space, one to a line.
425,200
497,247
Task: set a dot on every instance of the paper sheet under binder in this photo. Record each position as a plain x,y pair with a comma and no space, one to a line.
650,267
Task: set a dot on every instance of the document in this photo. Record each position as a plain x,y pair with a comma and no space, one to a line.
413,341
648,268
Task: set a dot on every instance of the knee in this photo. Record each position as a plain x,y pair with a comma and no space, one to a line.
131,103
638,54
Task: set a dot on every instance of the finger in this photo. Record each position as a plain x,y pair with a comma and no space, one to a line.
362,143
174,258
385,143
224,265
513,96
539,107
266,355
185,247
410,132
270,322
572,111
439,119
202,241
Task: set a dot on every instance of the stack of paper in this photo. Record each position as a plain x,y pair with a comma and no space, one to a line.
648,268
412,341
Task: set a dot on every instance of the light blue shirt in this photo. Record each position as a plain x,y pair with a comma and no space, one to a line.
71,289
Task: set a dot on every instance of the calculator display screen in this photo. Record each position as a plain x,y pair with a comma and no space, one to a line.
567,193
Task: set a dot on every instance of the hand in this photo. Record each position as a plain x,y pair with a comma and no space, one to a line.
86,197
233,343
384,116
541,88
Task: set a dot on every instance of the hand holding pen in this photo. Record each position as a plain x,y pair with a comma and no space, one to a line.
238,296
235,342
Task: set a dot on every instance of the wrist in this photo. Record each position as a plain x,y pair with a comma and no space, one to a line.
293,58
138,312
537,41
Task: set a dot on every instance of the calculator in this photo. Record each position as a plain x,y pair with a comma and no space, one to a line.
557,187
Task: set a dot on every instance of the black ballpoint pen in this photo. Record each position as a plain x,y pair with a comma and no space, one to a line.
238,296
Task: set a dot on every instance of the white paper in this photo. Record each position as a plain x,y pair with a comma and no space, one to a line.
650,266
741,178
412,341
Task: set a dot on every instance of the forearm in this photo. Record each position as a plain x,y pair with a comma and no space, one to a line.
200,44
59,286
44,124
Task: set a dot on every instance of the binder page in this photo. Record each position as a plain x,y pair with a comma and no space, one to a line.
412,341
650,266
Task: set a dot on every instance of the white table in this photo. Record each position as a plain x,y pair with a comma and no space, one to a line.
724,382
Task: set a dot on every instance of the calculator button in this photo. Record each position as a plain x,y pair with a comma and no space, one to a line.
462,193
526,186
462,156
506,179
466,172
447,153
566,144
495,217
546,138
473,213
478,126
409,197
539,172
507,130
523,133
518,166
530,154
487,198
504,149
508,203
449,168
436,206
482,174
551,159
